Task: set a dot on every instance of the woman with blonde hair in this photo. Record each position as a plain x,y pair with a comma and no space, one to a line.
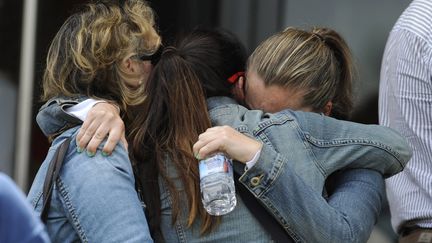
313,70
102,51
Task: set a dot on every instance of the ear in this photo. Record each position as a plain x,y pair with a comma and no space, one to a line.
328,108
126,65
238,90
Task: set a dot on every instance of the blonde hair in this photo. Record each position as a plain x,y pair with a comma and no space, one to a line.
85,55
317,62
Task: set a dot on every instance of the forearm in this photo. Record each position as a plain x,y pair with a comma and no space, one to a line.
304,211
359,195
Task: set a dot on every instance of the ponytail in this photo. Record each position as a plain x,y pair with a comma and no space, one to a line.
342,100
173,115
317,63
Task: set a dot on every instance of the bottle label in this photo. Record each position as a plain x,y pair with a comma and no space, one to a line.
215,164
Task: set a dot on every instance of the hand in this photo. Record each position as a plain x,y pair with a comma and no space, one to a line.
103,120
228,141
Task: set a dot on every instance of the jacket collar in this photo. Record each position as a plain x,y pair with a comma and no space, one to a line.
215,101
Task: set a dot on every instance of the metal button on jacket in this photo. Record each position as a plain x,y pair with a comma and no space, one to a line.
255,181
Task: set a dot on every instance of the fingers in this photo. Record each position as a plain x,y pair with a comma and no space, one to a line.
203,139
86,133
212,147
227,140
96,140
116,134
101,123
213,140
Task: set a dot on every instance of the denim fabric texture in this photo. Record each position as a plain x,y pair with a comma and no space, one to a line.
57,119
300,151
94,199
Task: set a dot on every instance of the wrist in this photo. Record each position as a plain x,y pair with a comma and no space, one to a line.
253,150
254,160
111,103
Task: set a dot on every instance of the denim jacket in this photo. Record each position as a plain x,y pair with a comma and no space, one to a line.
93,200
300,151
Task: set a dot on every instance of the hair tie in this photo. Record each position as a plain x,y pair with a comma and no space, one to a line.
235,77
168,49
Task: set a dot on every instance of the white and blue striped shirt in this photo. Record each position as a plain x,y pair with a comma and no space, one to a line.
405,104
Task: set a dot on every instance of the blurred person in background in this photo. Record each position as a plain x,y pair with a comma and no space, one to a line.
18,222
100,51
405,104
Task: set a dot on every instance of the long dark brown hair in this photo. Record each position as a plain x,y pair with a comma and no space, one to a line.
175,113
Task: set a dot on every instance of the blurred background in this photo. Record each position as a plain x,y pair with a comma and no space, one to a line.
27,27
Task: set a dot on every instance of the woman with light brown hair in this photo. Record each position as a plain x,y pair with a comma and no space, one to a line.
302,69
102,51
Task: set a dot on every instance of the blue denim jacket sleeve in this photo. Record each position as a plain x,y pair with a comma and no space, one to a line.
342,144
52,116
320,142
94,198
348,215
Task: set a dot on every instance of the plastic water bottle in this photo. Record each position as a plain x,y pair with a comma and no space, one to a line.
217,184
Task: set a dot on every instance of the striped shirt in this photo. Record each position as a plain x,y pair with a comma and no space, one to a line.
405,104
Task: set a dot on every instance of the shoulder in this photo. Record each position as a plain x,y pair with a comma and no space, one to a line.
7,188
248,121
407,52
416,21
78,166
99,166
